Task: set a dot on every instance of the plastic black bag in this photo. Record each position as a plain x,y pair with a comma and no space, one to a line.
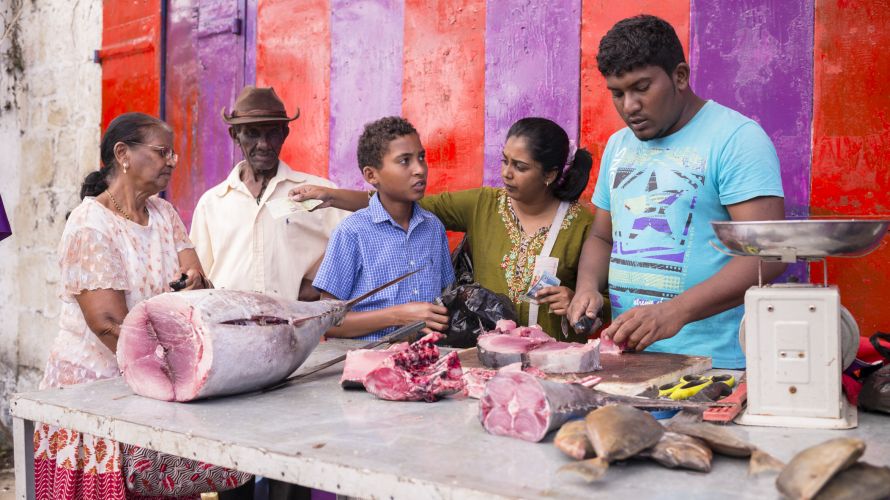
875,393
462,263
472,308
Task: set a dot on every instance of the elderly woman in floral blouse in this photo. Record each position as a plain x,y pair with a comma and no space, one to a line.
121,245
508,227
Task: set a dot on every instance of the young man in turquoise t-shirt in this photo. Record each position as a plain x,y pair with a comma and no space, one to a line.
680,163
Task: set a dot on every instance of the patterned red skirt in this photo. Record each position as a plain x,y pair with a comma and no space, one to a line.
70,465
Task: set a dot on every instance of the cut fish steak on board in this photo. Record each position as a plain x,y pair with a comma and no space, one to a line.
523,406
531,346
201,343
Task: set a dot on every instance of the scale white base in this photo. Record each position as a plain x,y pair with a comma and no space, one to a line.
848,420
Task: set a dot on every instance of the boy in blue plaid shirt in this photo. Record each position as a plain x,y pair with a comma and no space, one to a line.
391,237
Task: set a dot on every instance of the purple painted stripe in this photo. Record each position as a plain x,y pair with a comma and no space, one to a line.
367,38
221,66
249,18
756,56
532,68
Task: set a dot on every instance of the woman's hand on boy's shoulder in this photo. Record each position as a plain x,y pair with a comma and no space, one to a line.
435,316
312,192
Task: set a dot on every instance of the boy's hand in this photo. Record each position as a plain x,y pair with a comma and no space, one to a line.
558,297
584,303
435,316
312,192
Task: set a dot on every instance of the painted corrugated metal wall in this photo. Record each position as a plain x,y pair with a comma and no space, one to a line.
814,74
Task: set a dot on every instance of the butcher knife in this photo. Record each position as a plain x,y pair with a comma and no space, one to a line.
393,337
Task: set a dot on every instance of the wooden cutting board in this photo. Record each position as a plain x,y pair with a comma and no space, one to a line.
626,374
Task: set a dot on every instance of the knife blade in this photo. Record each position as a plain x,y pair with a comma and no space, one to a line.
397,335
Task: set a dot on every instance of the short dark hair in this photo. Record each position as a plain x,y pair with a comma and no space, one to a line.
637,42
127,128
548,144
375,139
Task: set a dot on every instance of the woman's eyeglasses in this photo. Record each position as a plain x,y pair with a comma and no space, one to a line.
165,152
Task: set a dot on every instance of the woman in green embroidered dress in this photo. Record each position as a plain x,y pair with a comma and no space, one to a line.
507,227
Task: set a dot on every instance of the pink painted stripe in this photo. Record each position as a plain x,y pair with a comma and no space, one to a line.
366,76
532,68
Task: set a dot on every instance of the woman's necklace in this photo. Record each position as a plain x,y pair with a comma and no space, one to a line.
118,207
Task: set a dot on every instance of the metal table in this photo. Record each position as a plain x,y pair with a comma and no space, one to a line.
348,442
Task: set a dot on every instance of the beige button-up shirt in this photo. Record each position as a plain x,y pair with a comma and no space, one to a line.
242,247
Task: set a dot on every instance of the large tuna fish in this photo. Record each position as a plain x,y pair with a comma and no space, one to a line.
201,343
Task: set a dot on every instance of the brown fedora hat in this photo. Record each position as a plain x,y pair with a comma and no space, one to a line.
255,105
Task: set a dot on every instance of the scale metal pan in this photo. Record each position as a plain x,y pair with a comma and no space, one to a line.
790,240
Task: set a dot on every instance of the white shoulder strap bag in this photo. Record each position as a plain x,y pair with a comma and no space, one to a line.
546,257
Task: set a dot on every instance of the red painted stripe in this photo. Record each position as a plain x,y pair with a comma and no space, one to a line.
294,56
851,144
131,64
444,77
599,120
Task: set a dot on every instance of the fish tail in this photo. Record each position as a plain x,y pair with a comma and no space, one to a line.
590,470
762,461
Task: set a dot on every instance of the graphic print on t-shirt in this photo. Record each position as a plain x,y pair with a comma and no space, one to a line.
653,193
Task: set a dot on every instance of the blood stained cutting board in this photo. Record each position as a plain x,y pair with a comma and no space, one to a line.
626,374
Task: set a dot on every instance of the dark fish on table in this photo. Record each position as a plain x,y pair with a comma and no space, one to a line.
680,451
572,440
861,481
813,468
617,432
724,442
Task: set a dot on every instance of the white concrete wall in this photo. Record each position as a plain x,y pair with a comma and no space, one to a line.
50,114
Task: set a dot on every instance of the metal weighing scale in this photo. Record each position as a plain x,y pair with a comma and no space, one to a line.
797,337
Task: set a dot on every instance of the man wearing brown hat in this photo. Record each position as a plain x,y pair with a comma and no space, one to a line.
247,233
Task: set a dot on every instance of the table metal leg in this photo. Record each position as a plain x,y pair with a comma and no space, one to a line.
23,440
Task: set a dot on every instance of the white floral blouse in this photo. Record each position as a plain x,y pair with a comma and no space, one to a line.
100,250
